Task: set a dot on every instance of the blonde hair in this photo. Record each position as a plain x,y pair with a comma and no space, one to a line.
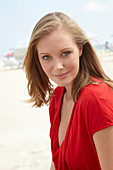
39,86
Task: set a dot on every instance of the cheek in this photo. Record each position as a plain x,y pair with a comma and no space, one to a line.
73,64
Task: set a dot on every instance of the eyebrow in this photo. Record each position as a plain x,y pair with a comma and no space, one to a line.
43,54
65,49
59,51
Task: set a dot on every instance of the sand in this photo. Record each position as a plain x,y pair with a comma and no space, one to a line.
24,131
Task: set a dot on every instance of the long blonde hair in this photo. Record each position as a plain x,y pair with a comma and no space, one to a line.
39,86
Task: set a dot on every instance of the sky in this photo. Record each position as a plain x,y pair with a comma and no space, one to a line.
18,17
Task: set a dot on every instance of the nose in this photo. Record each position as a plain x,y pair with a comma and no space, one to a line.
58,64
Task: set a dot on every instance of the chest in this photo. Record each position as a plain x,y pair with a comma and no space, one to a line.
77,148
65,116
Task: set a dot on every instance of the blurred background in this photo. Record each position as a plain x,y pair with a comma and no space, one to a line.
24,131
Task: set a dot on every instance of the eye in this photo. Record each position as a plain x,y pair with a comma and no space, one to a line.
66,53
46,57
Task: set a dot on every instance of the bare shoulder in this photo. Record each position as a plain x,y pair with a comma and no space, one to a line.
103,141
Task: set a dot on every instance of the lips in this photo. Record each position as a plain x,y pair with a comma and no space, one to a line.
61,76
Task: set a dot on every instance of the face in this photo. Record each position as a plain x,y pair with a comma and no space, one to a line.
59,57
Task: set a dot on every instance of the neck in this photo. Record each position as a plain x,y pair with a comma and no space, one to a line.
68,95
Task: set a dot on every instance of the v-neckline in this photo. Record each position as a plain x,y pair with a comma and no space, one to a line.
59,116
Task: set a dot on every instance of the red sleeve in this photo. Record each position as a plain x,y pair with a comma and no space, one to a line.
100,110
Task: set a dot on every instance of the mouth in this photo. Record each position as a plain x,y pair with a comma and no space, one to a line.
61,76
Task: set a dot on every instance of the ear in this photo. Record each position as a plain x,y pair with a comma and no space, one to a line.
80,50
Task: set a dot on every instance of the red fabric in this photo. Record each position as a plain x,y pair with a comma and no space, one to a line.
92,112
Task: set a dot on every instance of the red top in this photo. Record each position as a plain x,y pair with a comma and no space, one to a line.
92,112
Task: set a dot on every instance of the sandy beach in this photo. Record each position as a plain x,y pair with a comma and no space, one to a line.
24,131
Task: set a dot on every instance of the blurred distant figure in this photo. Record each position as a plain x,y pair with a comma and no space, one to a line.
108,46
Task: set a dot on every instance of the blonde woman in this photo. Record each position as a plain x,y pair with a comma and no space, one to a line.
81,106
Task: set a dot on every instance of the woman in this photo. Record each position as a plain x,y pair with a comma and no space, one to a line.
81,107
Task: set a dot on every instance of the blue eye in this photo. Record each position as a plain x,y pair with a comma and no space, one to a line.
46,57
66,53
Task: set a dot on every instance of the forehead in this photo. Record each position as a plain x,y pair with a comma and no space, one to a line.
57,39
